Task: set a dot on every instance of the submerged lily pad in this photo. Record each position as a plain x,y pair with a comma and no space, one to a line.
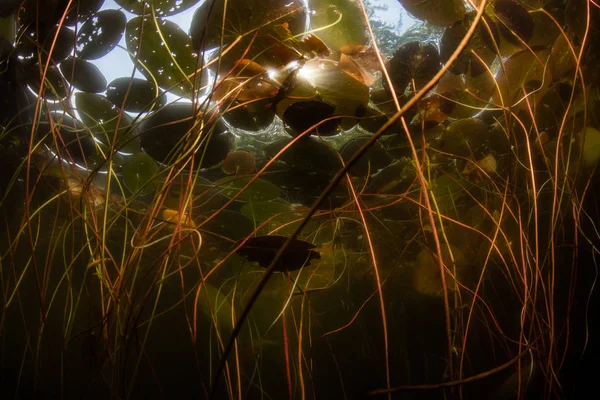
307,153
263,249
84,75
239,162
262,211
230,224
100,34
260,190
174,130
82,9
103,118
372,160
141,94
252,116
516,25
162,8
171,62
139,170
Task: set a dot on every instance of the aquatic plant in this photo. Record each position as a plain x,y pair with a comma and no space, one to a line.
264,203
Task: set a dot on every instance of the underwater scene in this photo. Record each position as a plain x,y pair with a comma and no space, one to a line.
299,199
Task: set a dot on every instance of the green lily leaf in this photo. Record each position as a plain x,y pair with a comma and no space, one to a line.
170,62
100,34
348,27
102,118
84,75
162,8
260,190
139,170
142,94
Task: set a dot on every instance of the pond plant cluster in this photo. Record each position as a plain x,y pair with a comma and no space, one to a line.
272,205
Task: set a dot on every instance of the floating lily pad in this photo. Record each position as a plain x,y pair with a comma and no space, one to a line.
174,130
162,8
516,25
308,153
481,46
141,94
139,171
347,22
103,118
372,160
436,12
245,18
263,249
100,34
171,62
259,190
323,90
84,75
55,85
252,116
416,61
73,143
80,10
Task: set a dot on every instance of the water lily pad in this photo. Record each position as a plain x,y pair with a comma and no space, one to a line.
162,8
252,116
481,46
100,34
141,94
416,61
260,190
262,211
436,12
80,10
374,158
245,18
170,62
174,130
349,27
524,70
84,75
139,171
323,90
516,25
55,85
103,118
71,140
308,153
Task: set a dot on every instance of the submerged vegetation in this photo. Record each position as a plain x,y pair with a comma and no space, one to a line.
297,199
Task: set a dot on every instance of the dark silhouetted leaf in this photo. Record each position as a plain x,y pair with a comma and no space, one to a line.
142,94
436,12
162,8
263,249
244,18
84,75
139,170
516,25
413,61
171,131
103,118
55,87
100,34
